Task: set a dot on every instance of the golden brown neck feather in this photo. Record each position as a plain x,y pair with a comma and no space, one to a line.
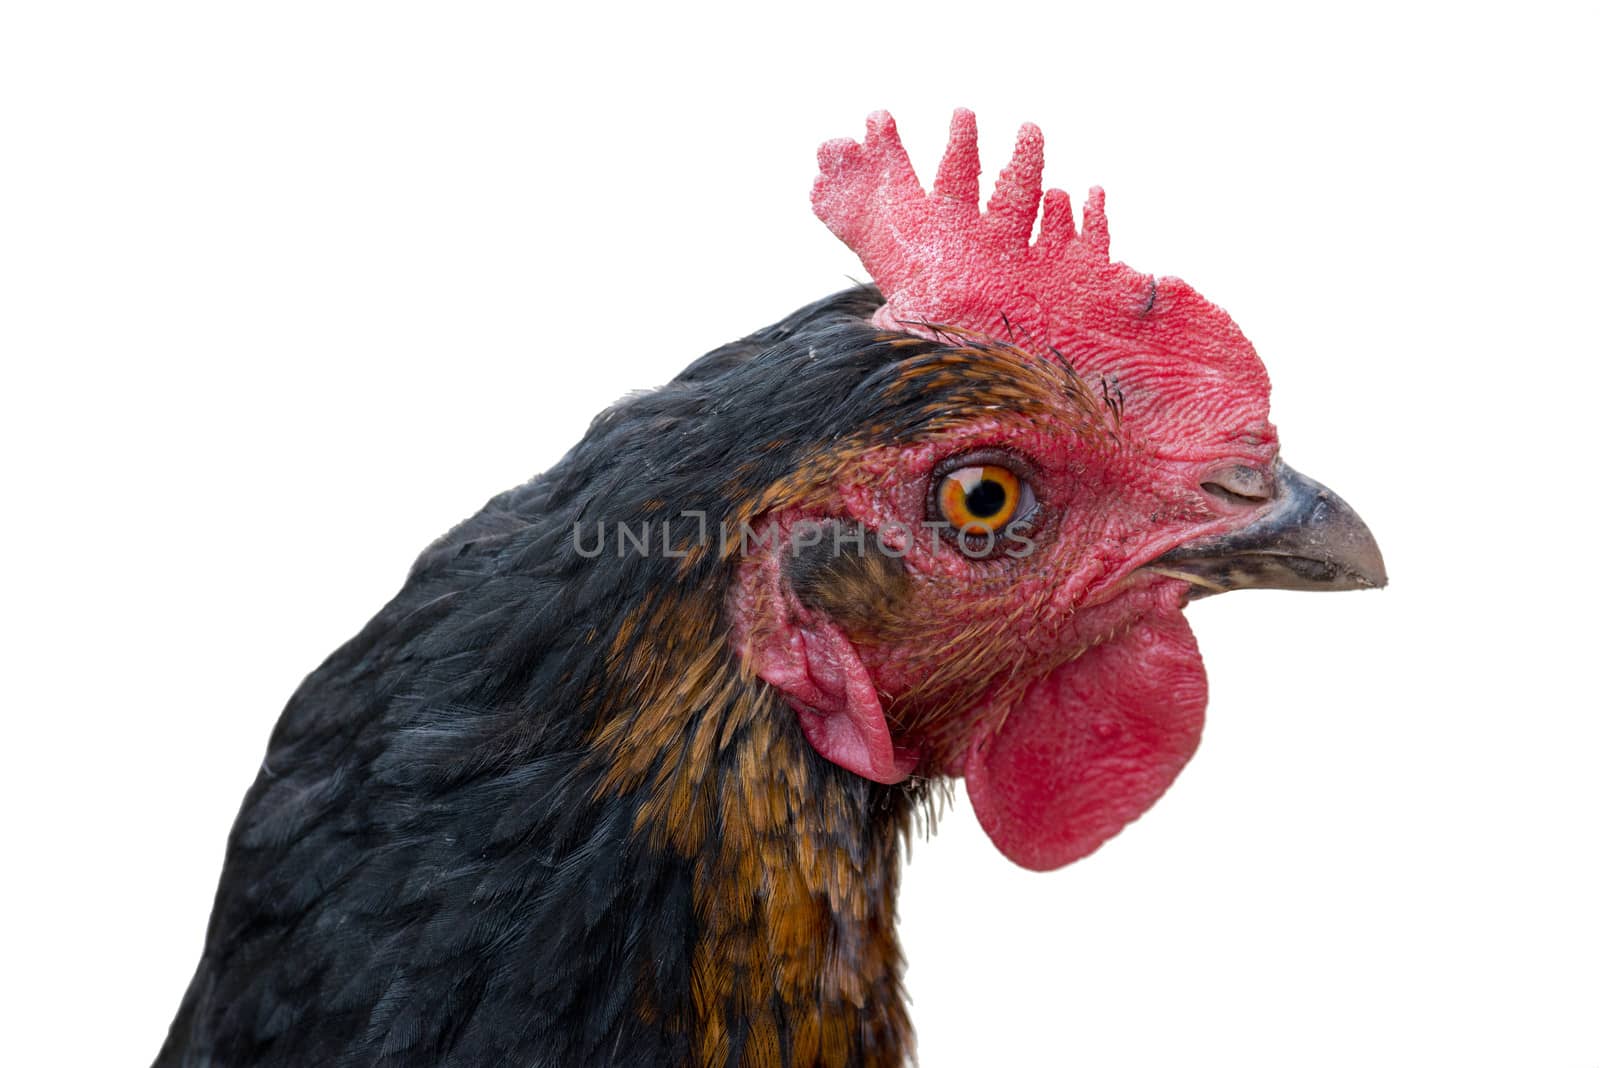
795,861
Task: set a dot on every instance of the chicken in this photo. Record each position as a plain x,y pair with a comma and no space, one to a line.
621,774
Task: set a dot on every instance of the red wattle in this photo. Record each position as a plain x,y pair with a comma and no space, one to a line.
1091,745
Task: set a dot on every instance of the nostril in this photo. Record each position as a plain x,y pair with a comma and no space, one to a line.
1240,486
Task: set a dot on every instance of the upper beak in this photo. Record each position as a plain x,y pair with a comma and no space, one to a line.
1307,539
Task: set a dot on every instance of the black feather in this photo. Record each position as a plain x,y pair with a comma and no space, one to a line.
425,871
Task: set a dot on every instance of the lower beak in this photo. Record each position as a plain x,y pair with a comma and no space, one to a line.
1307,539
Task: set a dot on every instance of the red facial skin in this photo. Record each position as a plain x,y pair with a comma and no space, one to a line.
1101,700
1081,693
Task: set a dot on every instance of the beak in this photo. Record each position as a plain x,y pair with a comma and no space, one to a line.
1307,539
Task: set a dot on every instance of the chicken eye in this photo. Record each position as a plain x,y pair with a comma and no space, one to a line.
982,498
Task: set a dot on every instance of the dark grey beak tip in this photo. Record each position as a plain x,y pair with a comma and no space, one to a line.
1308,539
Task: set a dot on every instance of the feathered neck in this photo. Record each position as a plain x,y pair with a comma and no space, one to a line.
794,862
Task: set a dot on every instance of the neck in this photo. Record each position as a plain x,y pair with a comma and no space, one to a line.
796,901
794,864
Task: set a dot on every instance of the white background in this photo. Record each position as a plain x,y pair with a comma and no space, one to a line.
288,289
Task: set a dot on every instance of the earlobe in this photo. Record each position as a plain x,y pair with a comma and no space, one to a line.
786,609
819,672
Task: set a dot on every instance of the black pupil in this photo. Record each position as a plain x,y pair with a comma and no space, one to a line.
986,498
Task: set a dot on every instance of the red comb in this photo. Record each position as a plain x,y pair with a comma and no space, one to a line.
940,261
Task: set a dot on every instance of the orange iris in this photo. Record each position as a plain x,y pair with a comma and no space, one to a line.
979,498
